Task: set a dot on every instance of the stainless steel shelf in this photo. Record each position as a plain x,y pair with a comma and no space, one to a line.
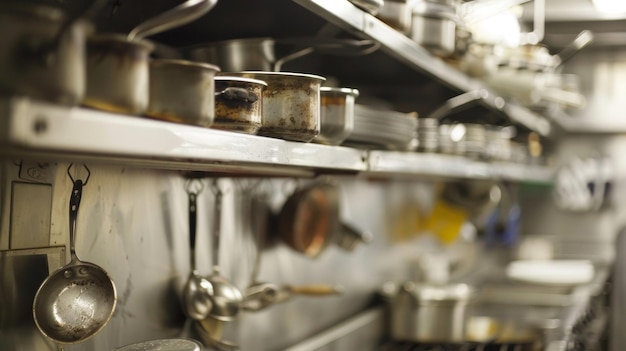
386,163
41,130
349,17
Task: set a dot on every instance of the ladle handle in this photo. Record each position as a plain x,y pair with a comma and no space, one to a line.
193,210
77,193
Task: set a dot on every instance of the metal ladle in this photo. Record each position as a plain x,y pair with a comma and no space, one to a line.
180,15
198,291
76,301
227,299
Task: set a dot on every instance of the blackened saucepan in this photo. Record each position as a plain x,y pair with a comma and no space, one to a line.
238,104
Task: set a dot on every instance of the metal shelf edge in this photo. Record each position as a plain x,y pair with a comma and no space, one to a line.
420,164
35,126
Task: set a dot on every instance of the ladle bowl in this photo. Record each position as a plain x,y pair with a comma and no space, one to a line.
197,294
227,299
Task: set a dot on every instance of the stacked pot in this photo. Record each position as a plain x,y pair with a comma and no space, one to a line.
433,26
52,57
43,54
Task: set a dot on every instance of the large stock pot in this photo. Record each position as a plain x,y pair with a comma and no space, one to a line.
428,312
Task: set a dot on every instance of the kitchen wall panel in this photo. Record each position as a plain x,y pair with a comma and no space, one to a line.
133,223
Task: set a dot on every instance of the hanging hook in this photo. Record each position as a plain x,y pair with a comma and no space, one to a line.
215,186
72,178
194,186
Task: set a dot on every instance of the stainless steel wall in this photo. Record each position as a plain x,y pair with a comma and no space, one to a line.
133,223
593,235
602,72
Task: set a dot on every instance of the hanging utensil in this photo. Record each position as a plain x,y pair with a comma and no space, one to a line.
262,295
180,15
76,301
310,220
198,291
226,297
304,223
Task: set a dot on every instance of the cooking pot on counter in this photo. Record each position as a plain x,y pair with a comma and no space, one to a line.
291,104
42,53
428,312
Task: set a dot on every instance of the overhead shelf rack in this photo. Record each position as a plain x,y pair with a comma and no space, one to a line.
33,129
345,15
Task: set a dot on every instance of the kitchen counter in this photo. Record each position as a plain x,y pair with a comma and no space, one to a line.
567,316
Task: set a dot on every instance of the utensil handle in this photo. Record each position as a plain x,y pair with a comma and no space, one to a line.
180,15
583,39
350,237
315,290
234,93
217,225
77,193
456,103
192,229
